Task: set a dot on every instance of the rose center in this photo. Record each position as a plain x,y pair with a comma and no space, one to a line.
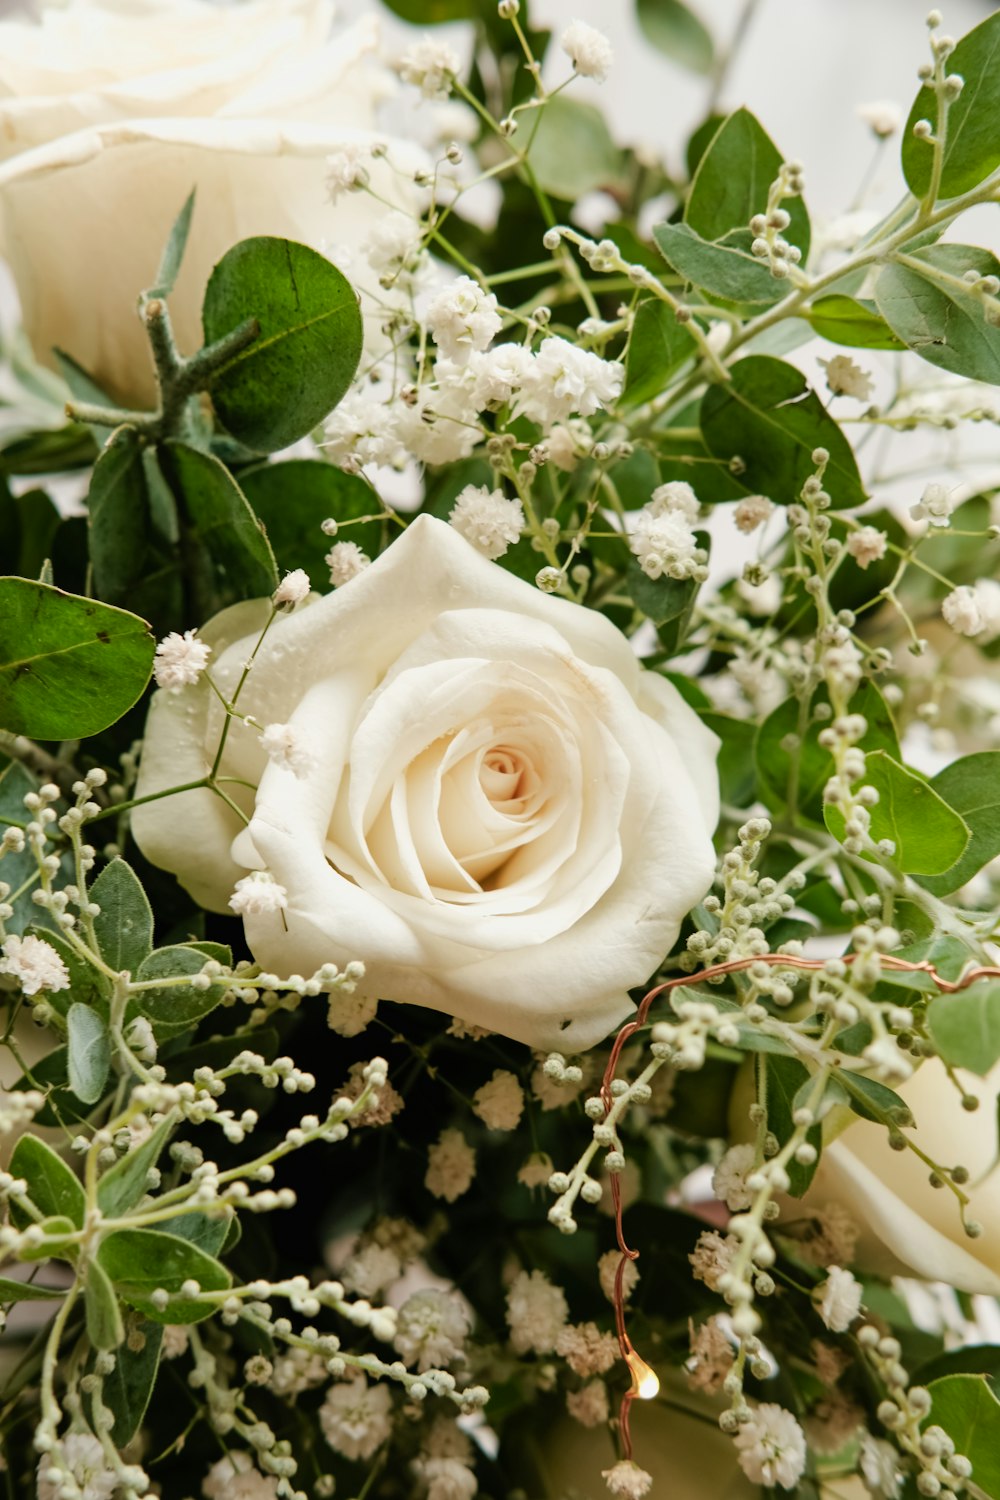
508,780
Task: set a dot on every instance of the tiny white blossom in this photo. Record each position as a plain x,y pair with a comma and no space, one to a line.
345,561
975,610
84,1456
487,519
441,427
588,50
752,512
34,963
845,378
258,895
498,373
935,505
565,379
729,1180
840,1302
348,1014
447,1478
370,1271
675,498
451,1166
536,1171
607,1273
772,1447
431,66
345,170
432,1328
627,1480
878,1463
867,545
283,745
589,1406
499,1103
882,117
393,242
664,543
363,430
536,1312
180,660
356,1417
293,588
236,1477
463,318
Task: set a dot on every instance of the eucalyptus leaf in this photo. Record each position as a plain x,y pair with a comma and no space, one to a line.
571,150
282,385
972,145
124,924
138,1261
767,415
937,314
675,30
28,1291
126,1391
173,250
852,321
15,783
89,1057
295,497
122,1185
928,835
788,1084
972,787
176,1007
792,774
965,1027
732,182
722,269
658,345
69,666
53,1187
875,1101
969,1412
105,1327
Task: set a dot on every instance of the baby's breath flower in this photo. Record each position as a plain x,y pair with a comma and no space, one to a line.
840,1299
451,1166
283,746
867,545
772,1447
430,65
589,1406
292,589
607,1271
565,379
499,1103
180,660
627,1480
345,561
588,50
845,378
356,1417
974,610
258,894
536,1312
487,519
432,1328
586,1349
729,1180
34,963
752,512
463,318
85,1458
882,117
345,172
935,505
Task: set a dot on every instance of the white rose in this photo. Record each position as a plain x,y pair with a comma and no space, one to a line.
111,113
907,1226
503,815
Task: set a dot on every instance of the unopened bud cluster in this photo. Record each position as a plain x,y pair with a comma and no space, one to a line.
904,1410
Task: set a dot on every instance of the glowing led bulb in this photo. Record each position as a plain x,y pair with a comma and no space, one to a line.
645,1382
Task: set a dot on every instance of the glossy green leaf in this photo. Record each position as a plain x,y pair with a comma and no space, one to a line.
304,358
207,1232
228,554
722,269
69,667
138,1261
89,1057
939,316
28,1291
875,1101
972,145
294,498
737,774
176,1007
969,1412
768,416
28,524
965,1027
972,787
15,783
659,344
790,774
788,1083
117,504
675,30
124,925
105,1327
851,321
126,1391
122,1185
53,1186
732,183
929,836
571,151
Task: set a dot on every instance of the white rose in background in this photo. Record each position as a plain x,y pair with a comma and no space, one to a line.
907,1226
110,114
501,813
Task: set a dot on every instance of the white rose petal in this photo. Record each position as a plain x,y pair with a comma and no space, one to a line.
509,818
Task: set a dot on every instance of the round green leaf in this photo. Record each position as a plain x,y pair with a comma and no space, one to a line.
972,143
965,1027
677,32
294,498
972,787
851,321
69,667
928,834
302,362
733,179
937,314
138,1261
571,151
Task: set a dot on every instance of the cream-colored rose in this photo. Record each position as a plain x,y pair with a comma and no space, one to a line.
909,1227
500,812
110,113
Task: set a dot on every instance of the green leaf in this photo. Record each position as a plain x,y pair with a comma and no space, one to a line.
929,836
972,145
969,1412
874,1101
737,776
124,925
851,321
294,498
28,1291
675,30
69,667
53,1187
207,1232
105,1328
123,1185
571,152
127,1389
659,344
783,769
173,250
768,416
667,602
723,269
28,524
89,1052
942,320
176,1007
972,787
233,559
304,358
732,182
58,1230
788,1084
138,1261
965,1027
15,783
434,12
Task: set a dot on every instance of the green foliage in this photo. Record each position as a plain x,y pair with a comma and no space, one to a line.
929,835
971,786
294,498
69,667
675,30
174,1008
658,345
138,1261
127,1390
965,1027
724,269
788,1085
89,1057
732,181
173,251
873,1100
124,925
122,1185
133,534
667,602
304,358
795,775
53,1186
571,151
230,558
768,416
15,783
851,321
969,1412
937,314
28,524
737,774
27,1291
105,1327
972,148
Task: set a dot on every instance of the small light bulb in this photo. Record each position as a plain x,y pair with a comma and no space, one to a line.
645,1381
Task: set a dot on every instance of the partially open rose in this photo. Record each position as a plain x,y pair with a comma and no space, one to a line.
111,113
499,811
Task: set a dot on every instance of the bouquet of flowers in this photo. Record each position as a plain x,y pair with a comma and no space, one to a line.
499,773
